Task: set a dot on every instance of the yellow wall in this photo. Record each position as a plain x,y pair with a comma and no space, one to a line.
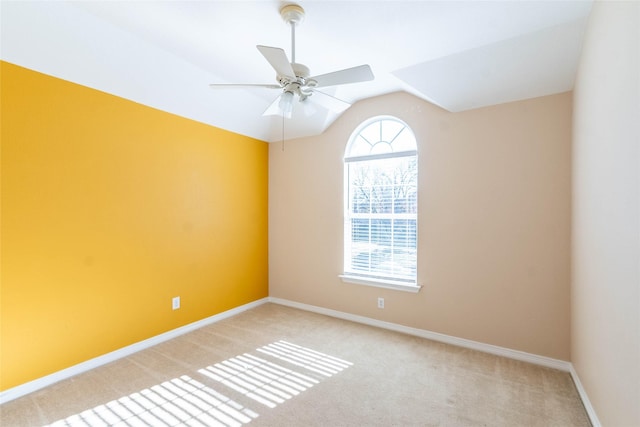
110,209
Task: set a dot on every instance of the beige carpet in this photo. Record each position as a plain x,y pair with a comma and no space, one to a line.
278,366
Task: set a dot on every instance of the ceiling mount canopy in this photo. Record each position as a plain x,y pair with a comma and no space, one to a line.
292,14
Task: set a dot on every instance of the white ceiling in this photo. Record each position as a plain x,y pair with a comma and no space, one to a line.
456,54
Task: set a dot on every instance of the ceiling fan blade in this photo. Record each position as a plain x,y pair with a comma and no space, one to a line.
361,73
241,85
278,60
329,102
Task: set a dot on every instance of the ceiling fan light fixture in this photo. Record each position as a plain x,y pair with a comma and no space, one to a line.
286,104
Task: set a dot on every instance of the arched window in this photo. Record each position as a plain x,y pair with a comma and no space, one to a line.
381,204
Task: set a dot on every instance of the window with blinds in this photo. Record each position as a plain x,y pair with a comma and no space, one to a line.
381,202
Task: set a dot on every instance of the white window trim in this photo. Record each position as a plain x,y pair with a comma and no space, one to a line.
370,280
381,283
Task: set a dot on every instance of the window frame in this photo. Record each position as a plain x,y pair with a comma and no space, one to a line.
388,282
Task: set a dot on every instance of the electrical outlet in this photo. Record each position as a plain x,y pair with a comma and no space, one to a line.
380,302
175,303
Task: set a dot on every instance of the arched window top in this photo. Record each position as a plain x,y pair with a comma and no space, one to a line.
381,136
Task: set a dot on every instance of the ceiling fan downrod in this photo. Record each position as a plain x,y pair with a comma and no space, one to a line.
293,15
293,42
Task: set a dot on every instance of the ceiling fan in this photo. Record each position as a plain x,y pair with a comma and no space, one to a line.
294,79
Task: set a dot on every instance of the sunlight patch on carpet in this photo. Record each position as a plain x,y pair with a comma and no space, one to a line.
180,401
262,381
305,357
186,401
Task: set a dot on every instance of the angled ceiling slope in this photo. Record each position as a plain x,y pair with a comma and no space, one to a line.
458,55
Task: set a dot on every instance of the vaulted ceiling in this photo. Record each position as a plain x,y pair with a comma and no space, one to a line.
458,55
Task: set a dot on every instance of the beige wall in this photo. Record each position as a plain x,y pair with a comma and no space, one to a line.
606,219
494,222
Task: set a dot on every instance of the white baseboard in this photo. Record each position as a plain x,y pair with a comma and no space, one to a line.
595,422
435,336
30,387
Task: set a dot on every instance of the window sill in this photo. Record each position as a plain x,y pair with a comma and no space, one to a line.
381,283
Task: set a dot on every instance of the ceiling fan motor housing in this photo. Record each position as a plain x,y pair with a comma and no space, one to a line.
301,70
